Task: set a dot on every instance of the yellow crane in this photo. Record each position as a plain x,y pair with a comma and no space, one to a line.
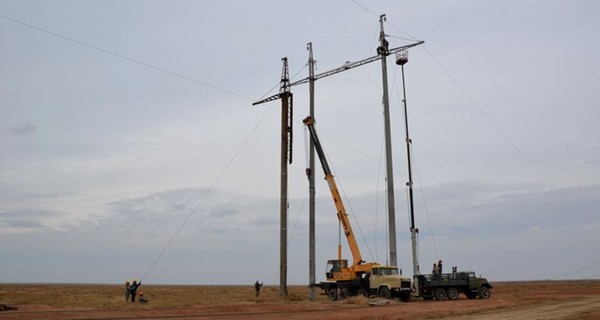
361,277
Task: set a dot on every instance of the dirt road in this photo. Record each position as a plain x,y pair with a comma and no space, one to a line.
583,309
587,308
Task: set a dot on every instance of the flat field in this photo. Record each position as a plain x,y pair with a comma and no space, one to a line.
510,300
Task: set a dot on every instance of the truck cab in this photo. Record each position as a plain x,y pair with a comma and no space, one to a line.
387,281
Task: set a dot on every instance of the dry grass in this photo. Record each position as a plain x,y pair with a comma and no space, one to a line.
166,299
112,296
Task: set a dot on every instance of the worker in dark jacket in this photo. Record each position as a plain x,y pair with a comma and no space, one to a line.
257,287
133,288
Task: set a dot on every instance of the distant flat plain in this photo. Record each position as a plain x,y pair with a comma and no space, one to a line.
574,299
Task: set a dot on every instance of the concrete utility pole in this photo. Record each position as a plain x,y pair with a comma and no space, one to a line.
311,183
286,155
384,52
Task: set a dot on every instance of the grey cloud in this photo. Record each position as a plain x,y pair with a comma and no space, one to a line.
266,220
23,219
22,223
23,129
223,212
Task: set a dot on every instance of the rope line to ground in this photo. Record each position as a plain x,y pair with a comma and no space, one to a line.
193,211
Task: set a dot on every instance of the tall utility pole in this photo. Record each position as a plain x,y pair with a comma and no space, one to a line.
286,155
311,182
383,51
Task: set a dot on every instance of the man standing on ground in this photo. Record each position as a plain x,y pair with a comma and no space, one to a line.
127,291
257,287
134,286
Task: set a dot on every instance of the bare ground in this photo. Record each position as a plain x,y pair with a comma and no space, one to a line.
546,300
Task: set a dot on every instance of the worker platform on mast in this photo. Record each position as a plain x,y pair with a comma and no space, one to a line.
401,57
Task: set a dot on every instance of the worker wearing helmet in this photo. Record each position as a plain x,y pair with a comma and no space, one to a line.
142,298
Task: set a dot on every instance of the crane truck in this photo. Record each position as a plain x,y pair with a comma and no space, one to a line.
361,277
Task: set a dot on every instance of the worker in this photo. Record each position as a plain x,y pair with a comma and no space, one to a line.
127,291
142,298
257,287
436,269
134,286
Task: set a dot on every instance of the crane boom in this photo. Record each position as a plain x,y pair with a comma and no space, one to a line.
341,210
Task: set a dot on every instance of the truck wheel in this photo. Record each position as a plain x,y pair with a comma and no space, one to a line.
440,294
484,292
332,294
452,293
385,293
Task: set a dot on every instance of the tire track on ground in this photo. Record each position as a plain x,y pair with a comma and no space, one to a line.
548,311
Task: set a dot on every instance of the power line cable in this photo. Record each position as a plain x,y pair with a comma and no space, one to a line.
132,60
377,200
435,248
210,189
364,8
298,217
488,118
396,88
576,271
349,207
502,134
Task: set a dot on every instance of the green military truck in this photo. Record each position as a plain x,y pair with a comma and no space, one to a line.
449,285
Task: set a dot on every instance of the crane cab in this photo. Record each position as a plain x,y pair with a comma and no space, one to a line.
337,270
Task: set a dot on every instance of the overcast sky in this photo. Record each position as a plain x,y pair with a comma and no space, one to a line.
130,149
